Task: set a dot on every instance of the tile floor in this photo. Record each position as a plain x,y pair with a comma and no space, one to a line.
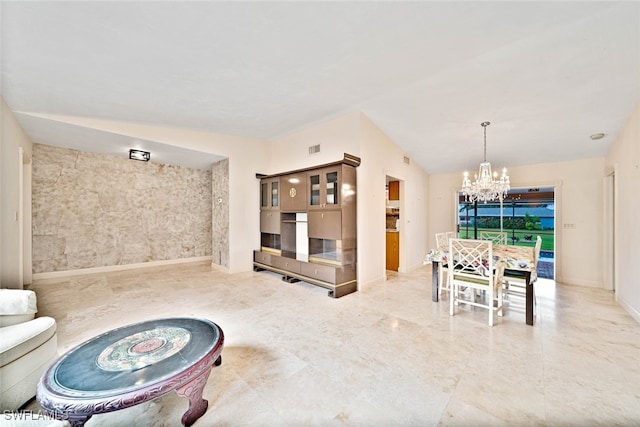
384,356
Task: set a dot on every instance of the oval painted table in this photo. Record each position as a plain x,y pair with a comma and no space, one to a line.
131,365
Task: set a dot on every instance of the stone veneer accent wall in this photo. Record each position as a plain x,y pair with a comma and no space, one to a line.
220,226
96,210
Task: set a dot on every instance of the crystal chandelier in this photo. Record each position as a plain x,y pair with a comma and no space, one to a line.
487,186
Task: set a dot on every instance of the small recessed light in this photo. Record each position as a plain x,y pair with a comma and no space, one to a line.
596,136
143,156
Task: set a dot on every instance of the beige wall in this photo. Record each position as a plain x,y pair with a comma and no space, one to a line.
384,158
337,136
352,133
623,159
579,213
247,156
13,138
355,134
429,203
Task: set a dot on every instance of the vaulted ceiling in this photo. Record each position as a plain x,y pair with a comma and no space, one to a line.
547,75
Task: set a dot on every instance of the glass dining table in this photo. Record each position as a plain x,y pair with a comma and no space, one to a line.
519,260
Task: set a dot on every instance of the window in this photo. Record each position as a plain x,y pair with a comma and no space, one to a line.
526,213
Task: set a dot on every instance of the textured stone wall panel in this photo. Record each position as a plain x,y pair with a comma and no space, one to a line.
94,210
220,226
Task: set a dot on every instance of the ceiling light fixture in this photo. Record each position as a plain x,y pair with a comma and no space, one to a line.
487,186
597,136
143,156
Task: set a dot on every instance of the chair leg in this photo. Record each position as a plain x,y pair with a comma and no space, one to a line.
443,280
490,307
452,297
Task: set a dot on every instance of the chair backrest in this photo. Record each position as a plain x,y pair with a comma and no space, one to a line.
536,253
471,260
442,242
497,237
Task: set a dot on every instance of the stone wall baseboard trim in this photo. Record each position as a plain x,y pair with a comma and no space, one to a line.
111,268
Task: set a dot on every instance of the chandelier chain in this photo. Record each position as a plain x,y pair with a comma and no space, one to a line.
484,125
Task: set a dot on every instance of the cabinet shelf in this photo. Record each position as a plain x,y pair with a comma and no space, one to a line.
327,258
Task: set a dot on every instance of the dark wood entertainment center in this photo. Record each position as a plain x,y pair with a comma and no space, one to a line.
308,228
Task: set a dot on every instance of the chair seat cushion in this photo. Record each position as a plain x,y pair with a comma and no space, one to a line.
18,340
471,278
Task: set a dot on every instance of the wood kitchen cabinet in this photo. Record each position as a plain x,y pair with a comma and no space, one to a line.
312,234
393,251
394,190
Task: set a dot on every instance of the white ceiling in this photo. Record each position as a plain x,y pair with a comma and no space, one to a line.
546,74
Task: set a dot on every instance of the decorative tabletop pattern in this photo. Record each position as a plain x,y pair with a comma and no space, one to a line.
143,349
127,358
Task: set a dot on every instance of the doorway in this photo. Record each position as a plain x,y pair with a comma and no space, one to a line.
610,231
392,223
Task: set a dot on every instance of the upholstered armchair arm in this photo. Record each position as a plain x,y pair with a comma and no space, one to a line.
17,306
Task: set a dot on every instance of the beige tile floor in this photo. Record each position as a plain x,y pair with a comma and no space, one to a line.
384,356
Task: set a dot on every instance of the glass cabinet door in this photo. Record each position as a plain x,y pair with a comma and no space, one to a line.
332,188
314,190
270,193
274,194
264,195
324,188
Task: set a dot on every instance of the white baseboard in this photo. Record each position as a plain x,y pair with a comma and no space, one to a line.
575,281
629,309
111,268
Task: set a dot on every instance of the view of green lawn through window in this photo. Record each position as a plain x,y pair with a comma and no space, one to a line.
524,216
